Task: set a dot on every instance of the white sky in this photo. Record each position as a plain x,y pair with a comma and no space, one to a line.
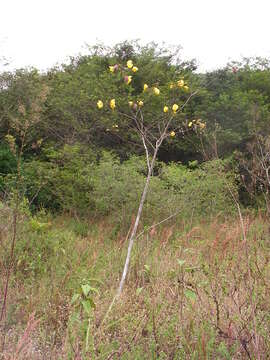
42,33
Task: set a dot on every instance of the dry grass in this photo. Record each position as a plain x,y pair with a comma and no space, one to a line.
186,296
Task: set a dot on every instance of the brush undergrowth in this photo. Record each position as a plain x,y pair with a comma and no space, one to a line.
187,294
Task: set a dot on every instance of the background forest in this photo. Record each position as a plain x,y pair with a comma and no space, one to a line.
71,177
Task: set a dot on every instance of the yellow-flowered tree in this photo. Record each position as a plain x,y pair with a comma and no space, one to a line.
149,116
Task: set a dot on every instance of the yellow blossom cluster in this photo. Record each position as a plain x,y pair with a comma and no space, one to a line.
100,104
134,105
156,91
153,89
201,124
128,79
179,84
130,66
175,107
112,104
113,68
140,103
197,124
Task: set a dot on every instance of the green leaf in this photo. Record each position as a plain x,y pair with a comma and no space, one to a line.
75,297
147,268
75,317
85,289
190,294
88,305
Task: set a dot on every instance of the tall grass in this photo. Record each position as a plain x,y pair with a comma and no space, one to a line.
187,294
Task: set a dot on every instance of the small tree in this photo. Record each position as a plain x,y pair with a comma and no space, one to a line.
151,116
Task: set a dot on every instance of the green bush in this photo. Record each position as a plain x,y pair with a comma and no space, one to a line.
7,165
203,191
73,180
63,181
116,186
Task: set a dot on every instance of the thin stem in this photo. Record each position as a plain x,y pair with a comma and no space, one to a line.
136,224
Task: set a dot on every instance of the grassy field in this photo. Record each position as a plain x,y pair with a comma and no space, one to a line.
195,290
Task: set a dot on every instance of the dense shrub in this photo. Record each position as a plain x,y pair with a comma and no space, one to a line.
77,181
7,165
63,181
202,191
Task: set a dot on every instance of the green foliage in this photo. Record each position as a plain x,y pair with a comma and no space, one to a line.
236,99
75,180
8,165
22,104
63,181
116,186
227,97
203,191
7,160
83,305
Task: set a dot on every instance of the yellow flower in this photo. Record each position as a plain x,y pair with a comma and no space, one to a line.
172,133
111,68
180,83
140,103
190,124
130,64
100,104
175,107
135,69
186,87
202,125
156,91
115,126
165,109
145,87
130,103
171,86
129,79
112,104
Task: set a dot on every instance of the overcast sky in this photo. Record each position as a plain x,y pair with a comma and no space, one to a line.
42,33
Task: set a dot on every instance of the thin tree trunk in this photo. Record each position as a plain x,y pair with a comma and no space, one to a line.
136,224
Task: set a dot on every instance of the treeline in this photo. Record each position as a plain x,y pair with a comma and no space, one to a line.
64,138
